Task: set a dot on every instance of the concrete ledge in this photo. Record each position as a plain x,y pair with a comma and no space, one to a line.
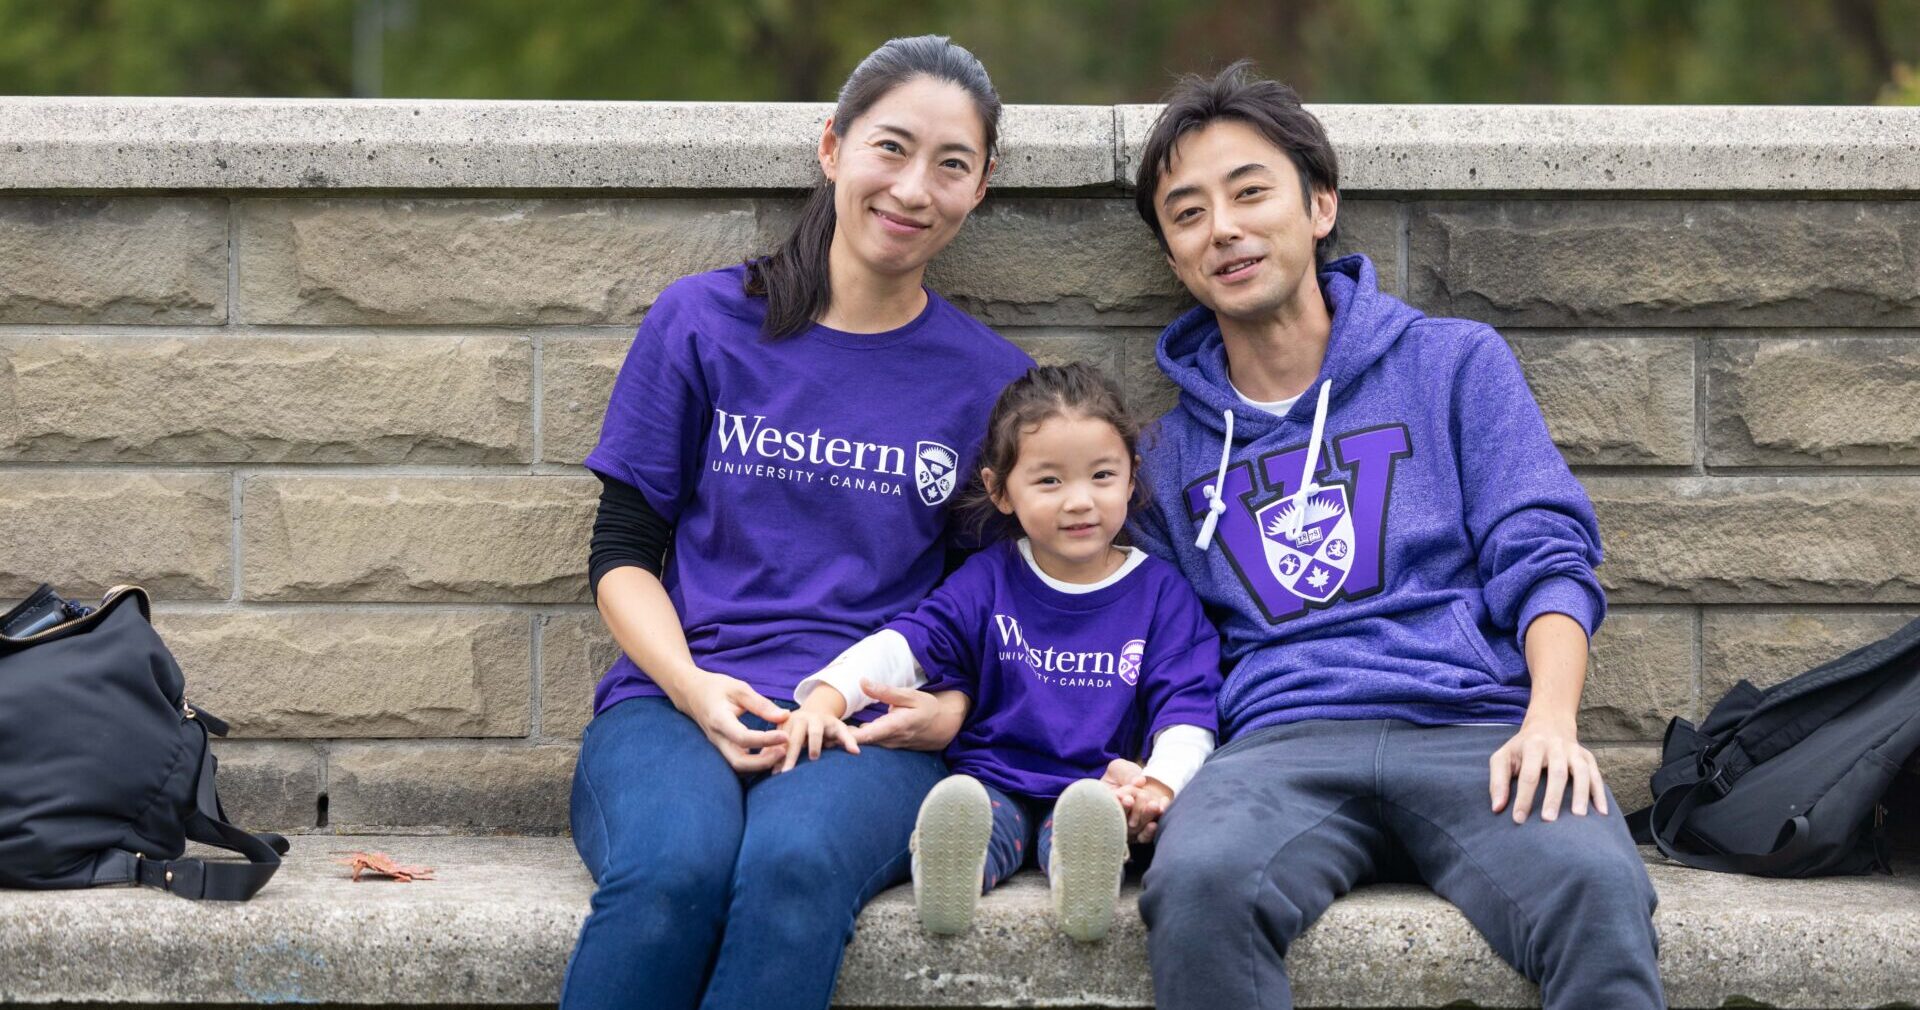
301,144
1681,149
497,926
312,144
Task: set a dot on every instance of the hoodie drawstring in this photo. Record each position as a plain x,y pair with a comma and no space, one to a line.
1216,502
1307,487
1217,505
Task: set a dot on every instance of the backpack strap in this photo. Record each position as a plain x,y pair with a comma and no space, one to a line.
1663,822
199,879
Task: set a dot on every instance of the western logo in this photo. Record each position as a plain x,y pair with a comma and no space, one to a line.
1132,655
1293,554
934,468
1069,668
808,456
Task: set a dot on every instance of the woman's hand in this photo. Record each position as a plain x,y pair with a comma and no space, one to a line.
915,720
815,724
715,701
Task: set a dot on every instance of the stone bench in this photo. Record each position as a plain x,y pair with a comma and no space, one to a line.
498,923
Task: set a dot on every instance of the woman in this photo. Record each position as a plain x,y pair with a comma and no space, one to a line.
795,427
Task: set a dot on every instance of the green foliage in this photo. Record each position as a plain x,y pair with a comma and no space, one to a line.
1084,51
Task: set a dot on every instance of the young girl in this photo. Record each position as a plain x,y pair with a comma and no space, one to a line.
1079,656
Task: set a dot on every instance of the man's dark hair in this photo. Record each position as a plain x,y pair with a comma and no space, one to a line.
1236,93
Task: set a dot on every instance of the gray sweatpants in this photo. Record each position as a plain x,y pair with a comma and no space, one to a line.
1281,821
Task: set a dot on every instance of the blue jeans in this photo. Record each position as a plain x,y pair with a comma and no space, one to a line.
720,891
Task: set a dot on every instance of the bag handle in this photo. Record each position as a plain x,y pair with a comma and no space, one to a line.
1668,815
198,879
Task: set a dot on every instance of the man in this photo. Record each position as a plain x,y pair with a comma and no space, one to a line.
1401,567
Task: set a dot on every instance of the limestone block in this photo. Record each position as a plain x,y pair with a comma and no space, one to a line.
1664,263
268,786
466,786
1760,539
1813,400
1639,676
84,531
1372,227
1624,401
357,673
439,261
1058,262
1767,647
575,650
119,260
1149,392
1628,769
576,375
410,539
267,399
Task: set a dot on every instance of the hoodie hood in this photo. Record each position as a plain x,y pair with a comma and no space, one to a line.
1366,325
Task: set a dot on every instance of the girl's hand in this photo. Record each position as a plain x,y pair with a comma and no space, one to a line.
715,701
815,724
1143,799
915,720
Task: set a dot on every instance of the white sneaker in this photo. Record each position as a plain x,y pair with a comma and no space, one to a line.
950,853
1089,856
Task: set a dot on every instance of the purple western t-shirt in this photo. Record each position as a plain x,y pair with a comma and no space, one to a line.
1063,683
808,479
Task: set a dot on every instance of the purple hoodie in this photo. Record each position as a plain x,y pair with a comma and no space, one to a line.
1438,522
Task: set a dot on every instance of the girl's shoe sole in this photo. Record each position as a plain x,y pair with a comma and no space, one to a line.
1089,855
954,826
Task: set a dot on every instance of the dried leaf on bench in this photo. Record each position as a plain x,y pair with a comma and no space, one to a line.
380,864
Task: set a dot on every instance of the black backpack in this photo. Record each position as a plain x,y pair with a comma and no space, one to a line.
105,771
1790,781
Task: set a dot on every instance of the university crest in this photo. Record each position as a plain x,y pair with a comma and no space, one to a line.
1309,543
934,471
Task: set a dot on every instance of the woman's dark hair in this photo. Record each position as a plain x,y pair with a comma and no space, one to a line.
1237,94
793,278
1045,392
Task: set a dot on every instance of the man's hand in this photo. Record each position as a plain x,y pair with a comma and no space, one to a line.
1550,747
915,720
715,701
1144,799
815,724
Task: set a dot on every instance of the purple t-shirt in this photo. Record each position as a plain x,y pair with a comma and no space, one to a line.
808,479
1063,683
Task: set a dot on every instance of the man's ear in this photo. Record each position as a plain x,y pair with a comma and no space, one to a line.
1325,211
829,153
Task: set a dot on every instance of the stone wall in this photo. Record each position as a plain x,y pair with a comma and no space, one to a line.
320,375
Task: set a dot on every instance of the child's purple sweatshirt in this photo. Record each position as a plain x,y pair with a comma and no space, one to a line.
1062,683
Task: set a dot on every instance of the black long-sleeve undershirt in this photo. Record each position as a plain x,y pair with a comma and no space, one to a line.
626,531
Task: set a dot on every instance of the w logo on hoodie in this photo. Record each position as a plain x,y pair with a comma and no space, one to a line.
1290,550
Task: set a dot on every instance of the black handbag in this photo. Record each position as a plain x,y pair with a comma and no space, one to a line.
1792,781
105,769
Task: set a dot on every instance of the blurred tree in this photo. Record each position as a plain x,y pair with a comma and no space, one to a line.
1087,51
